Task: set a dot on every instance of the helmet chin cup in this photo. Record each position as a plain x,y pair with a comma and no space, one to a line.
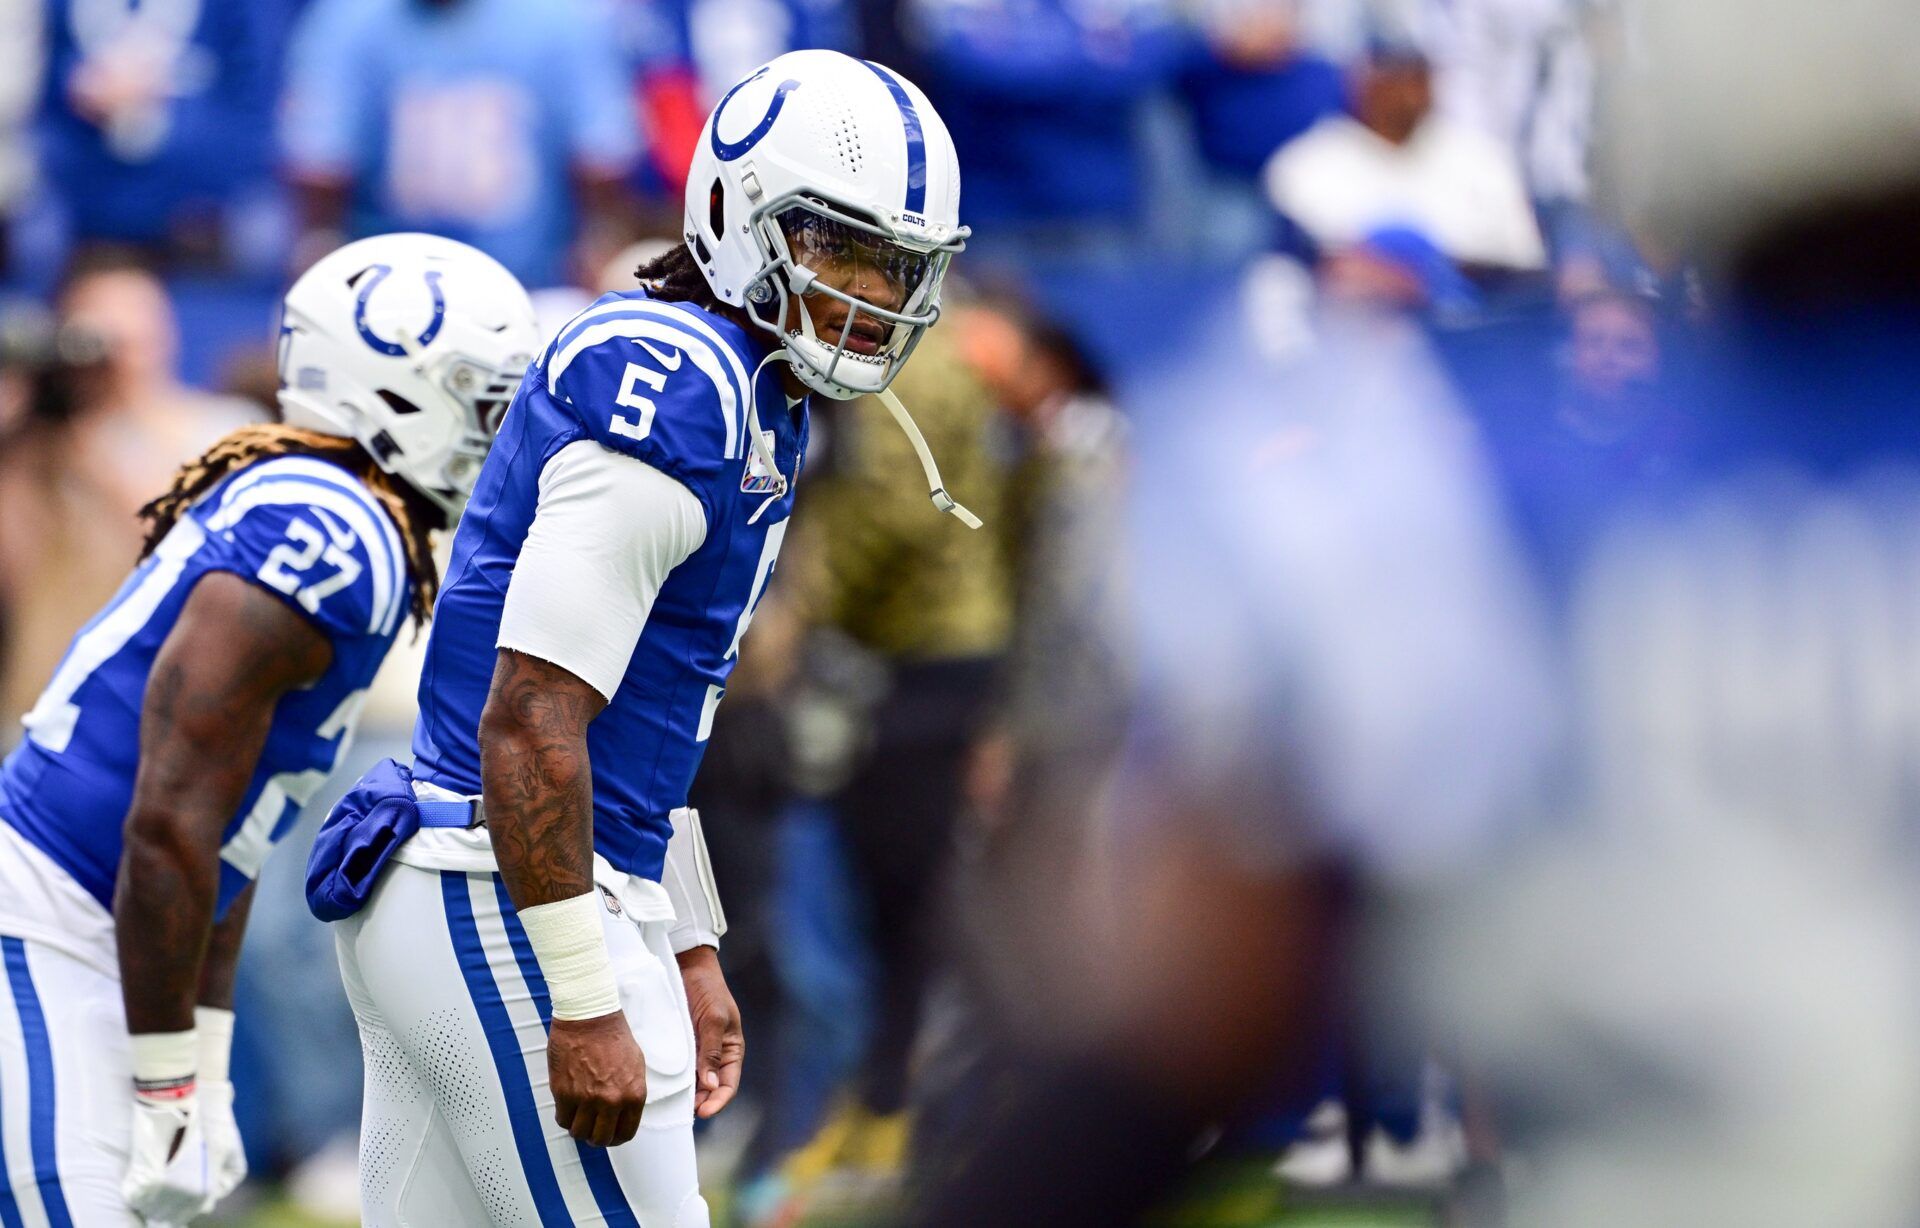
461,473
832,374
832,370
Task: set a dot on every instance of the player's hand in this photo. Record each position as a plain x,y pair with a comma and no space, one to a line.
599,1078
226,1155
717,1039
167,1179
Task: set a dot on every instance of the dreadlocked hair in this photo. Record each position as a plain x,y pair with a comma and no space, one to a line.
413,514
675,276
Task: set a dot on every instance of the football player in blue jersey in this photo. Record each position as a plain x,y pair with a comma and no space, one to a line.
194,715
527,921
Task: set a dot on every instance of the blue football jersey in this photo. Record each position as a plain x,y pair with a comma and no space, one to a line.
301,528
668,383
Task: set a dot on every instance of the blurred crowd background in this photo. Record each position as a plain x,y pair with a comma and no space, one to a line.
1347,354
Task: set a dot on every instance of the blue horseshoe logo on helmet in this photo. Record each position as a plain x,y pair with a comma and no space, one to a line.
390,348
727,151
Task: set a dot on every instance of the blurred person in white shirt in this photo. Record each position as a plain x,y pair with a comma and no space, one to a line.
1397,161
1522,71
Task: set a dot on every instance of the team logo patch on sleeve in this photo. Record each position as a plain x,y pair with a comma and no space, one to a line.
758,479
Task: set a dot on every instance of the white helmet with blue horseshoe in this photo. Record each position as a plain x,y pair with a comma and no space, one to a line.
413,345
819,159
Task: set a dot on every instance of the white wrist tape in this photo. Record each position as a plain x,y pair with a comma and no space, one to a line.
216,1042
572,949
698,919
164,1064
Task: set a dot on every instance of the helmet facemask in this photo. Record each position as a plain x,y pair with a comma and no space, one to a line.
805,240
442,466
483,393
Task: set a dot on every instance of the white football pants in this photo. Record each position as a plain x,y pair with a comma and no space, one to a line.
457,1127
66,1068
66,1074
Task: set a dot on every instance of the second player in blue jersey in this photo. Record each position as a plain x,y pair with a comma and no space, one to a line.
193,716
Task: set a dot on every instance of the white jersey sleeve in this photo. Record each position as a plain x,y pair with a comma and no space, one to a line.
606,531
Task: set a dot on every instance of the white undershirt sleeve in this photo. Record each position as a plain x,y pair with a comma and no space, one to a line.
606,531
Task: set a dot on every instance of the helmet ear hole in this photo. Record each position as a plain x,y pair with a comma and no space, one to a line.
763,305
397,403
717,209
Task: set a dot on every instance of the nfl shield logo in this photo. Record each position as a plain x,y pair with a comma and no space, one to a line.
759,480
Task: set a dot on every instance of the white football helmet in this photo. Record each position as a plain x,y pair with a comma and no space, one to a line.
816,159
413,345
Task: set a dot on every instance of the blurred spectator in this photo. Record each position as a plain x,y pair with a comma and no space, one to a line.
507,124
252,374
1613,363
22,60
688,52
1335,691
1530,73
153,124
1702,987
73,476
810,918
904,587
1045,99
39,367
1058,710
1061,683
1524,72
1393,273
931,600
1256,83
1398,269
1582,416
138,421
1395,162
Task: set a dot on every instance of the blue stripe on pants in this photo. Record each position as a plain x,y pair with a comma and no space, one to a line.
9,1205
529,1136
594,1161
33,1030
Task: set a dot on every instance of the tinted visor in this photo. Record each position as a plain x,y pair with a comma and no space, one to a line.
853,260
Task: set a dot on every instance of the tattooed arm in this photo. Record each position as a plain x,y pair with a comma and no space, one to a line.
536,779
606,533
234,652
538,786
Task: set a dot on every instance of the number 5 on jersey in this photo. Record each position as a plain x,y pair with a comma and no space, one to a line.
639,426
